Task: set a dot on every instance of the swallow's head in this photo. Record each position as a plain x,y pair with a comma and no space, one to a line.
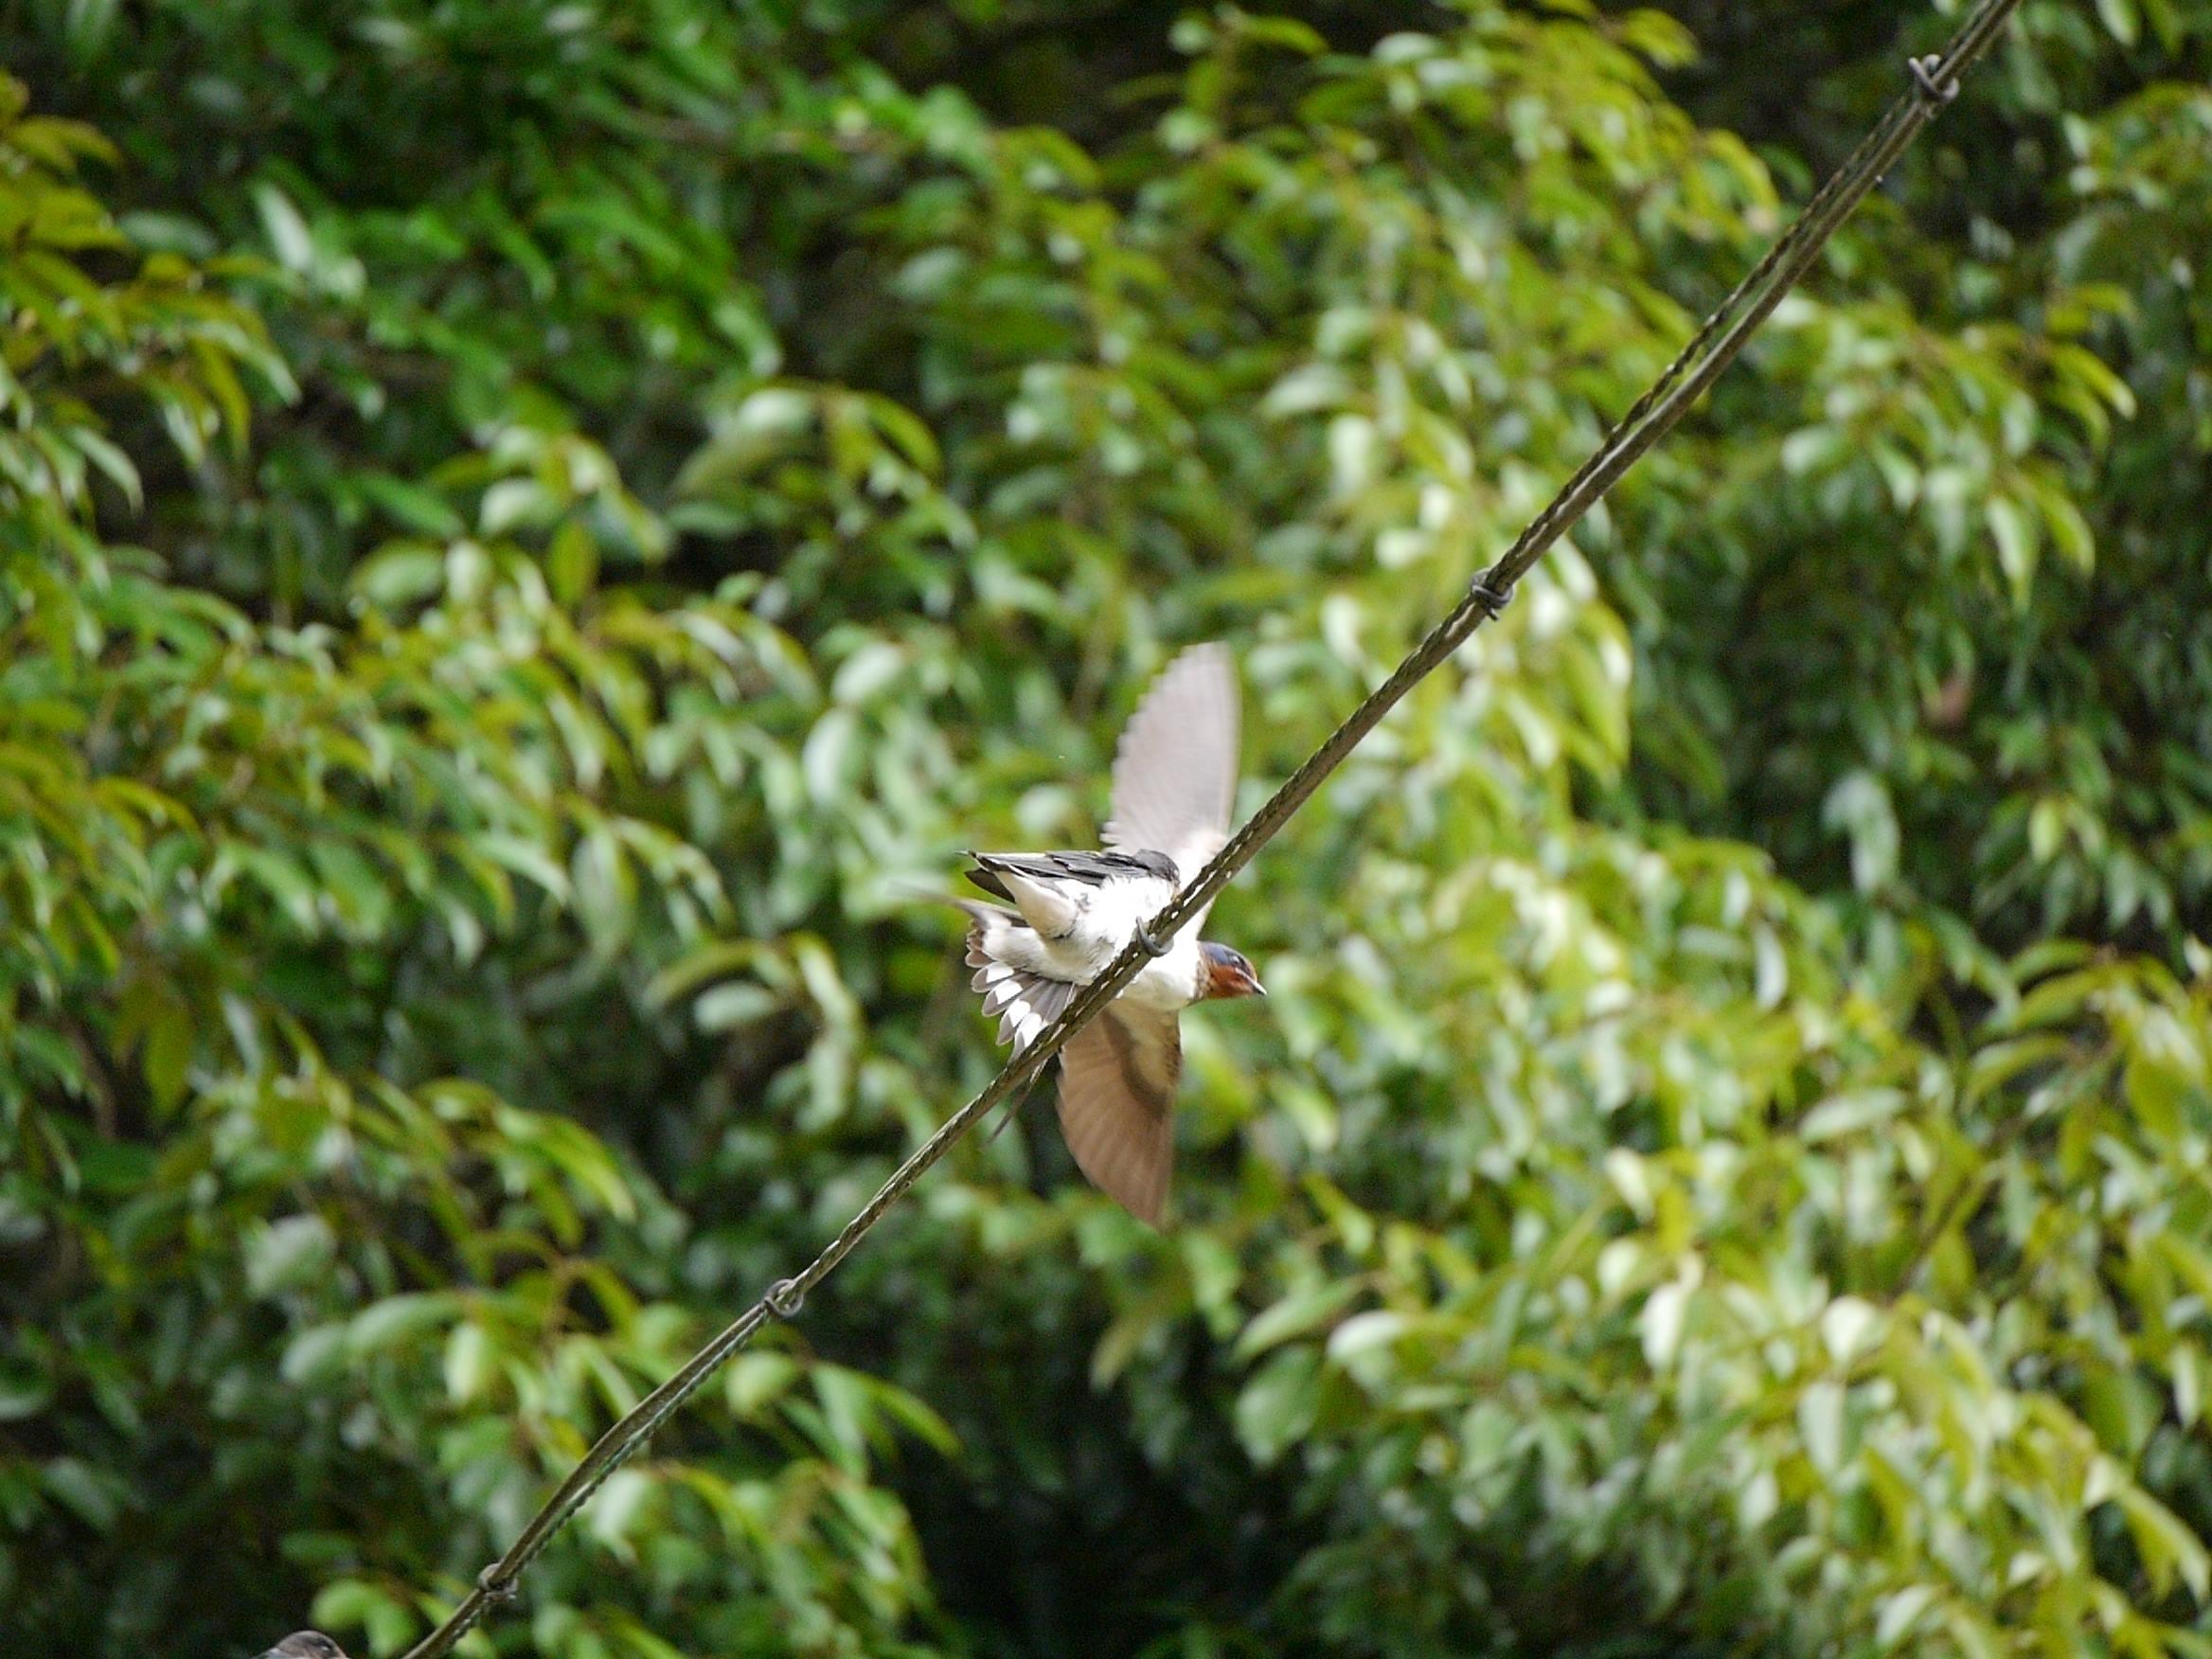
1223,972
306,1645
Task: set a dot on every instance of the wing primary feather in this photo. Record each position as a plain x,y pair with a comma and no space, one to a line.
1175,770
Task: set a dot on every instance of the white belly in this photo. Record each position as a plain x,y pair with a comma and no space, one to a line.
1172,981
1109,916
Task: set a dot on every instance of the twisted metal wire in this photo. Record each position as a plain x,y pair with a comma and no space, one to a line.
1934,82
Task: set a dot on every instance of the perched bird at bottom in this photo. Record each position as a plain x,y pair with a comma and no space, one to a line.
1174,783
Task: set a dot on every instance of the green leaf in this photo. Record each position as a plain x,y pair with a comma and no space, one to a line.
1821,1412
2017,537
167,1056
572,562
1297,1314
469,1362
91,1494
1276,1407
395,1323
286,229
289,1253
1900,1613
2168,1546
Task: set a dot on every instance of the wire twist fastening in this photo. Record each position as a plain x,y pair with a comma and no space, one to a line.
1492,599
1923,73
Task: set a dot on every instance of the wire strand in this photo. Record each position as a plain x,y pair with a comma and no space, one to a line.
1934,82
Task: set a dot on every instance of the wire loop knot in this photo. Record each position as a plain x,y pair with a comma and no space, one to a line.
1923,74
1153,947
494,1588
1492,599
785,1298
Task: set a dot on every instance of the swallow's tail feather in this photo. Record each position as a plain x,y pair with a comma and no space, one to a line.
1024,1001
988,878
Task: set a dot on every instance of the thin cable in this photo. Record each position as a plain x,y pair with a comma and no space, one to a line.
1933,83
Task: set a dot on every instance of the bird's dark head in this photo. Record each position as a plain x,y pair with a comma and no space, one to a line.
1225,973
306,1645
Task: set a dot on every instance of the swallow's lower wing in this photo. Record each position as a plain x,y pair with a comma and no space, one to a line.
1118,1079
1176,773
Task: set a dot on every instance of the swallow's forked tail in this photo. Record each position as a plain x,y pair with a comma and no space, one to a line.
1026,1003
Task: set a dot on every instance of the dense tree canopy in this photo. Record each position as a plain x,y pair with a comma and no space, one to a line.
528,526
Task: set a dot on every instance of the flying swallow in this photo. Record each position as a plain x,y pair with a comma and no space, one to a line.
1174,782
305,1645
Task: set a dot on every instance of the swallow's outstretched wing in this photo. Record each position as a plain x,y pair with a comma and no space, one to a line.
1176,773
1117,1081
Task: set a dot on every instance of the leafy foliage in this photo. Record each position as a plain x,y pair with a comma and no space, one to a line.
527,530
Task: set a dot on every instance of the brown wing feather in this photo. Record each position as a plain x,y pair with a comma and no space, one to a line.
1117,1080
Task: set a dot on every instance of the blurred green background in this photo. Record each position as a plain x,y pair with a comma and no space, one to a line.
525,526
